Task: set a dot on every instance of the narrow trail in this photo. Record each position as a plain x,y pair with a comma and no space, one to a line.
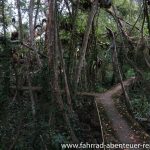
120,124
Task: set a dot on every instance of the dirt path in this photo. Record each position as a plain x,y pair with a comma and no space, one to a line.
122,129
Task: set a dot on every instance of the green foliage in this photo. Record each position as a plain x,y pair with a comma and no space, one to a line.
147,76
58,139
126,7
95,77
23,4
104,20
64,35
99,88
130,73
139,95
81,22
141,107
4,69
109,75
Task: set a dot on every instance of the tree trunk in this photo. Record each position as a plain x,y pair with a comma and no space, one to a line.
114,63
123,33
3,17
31,28
53,63
146,14
65,77
127,99
20,20
37,11
85,41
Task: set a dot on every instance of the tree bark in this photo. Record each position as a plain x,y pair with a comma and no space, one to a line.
85,41
127,99
53,63
65,77
146,14
31,34
3,19
37,11
123,33
20,20
31,31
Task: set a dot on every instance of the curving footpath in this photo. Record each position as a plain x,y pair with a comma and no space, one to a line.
120,125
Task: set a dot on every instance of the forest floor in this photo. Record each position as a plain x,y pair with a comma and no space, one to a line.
124,129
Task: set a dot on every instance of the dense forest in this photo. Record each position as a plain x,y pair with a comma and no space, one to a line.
74,72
